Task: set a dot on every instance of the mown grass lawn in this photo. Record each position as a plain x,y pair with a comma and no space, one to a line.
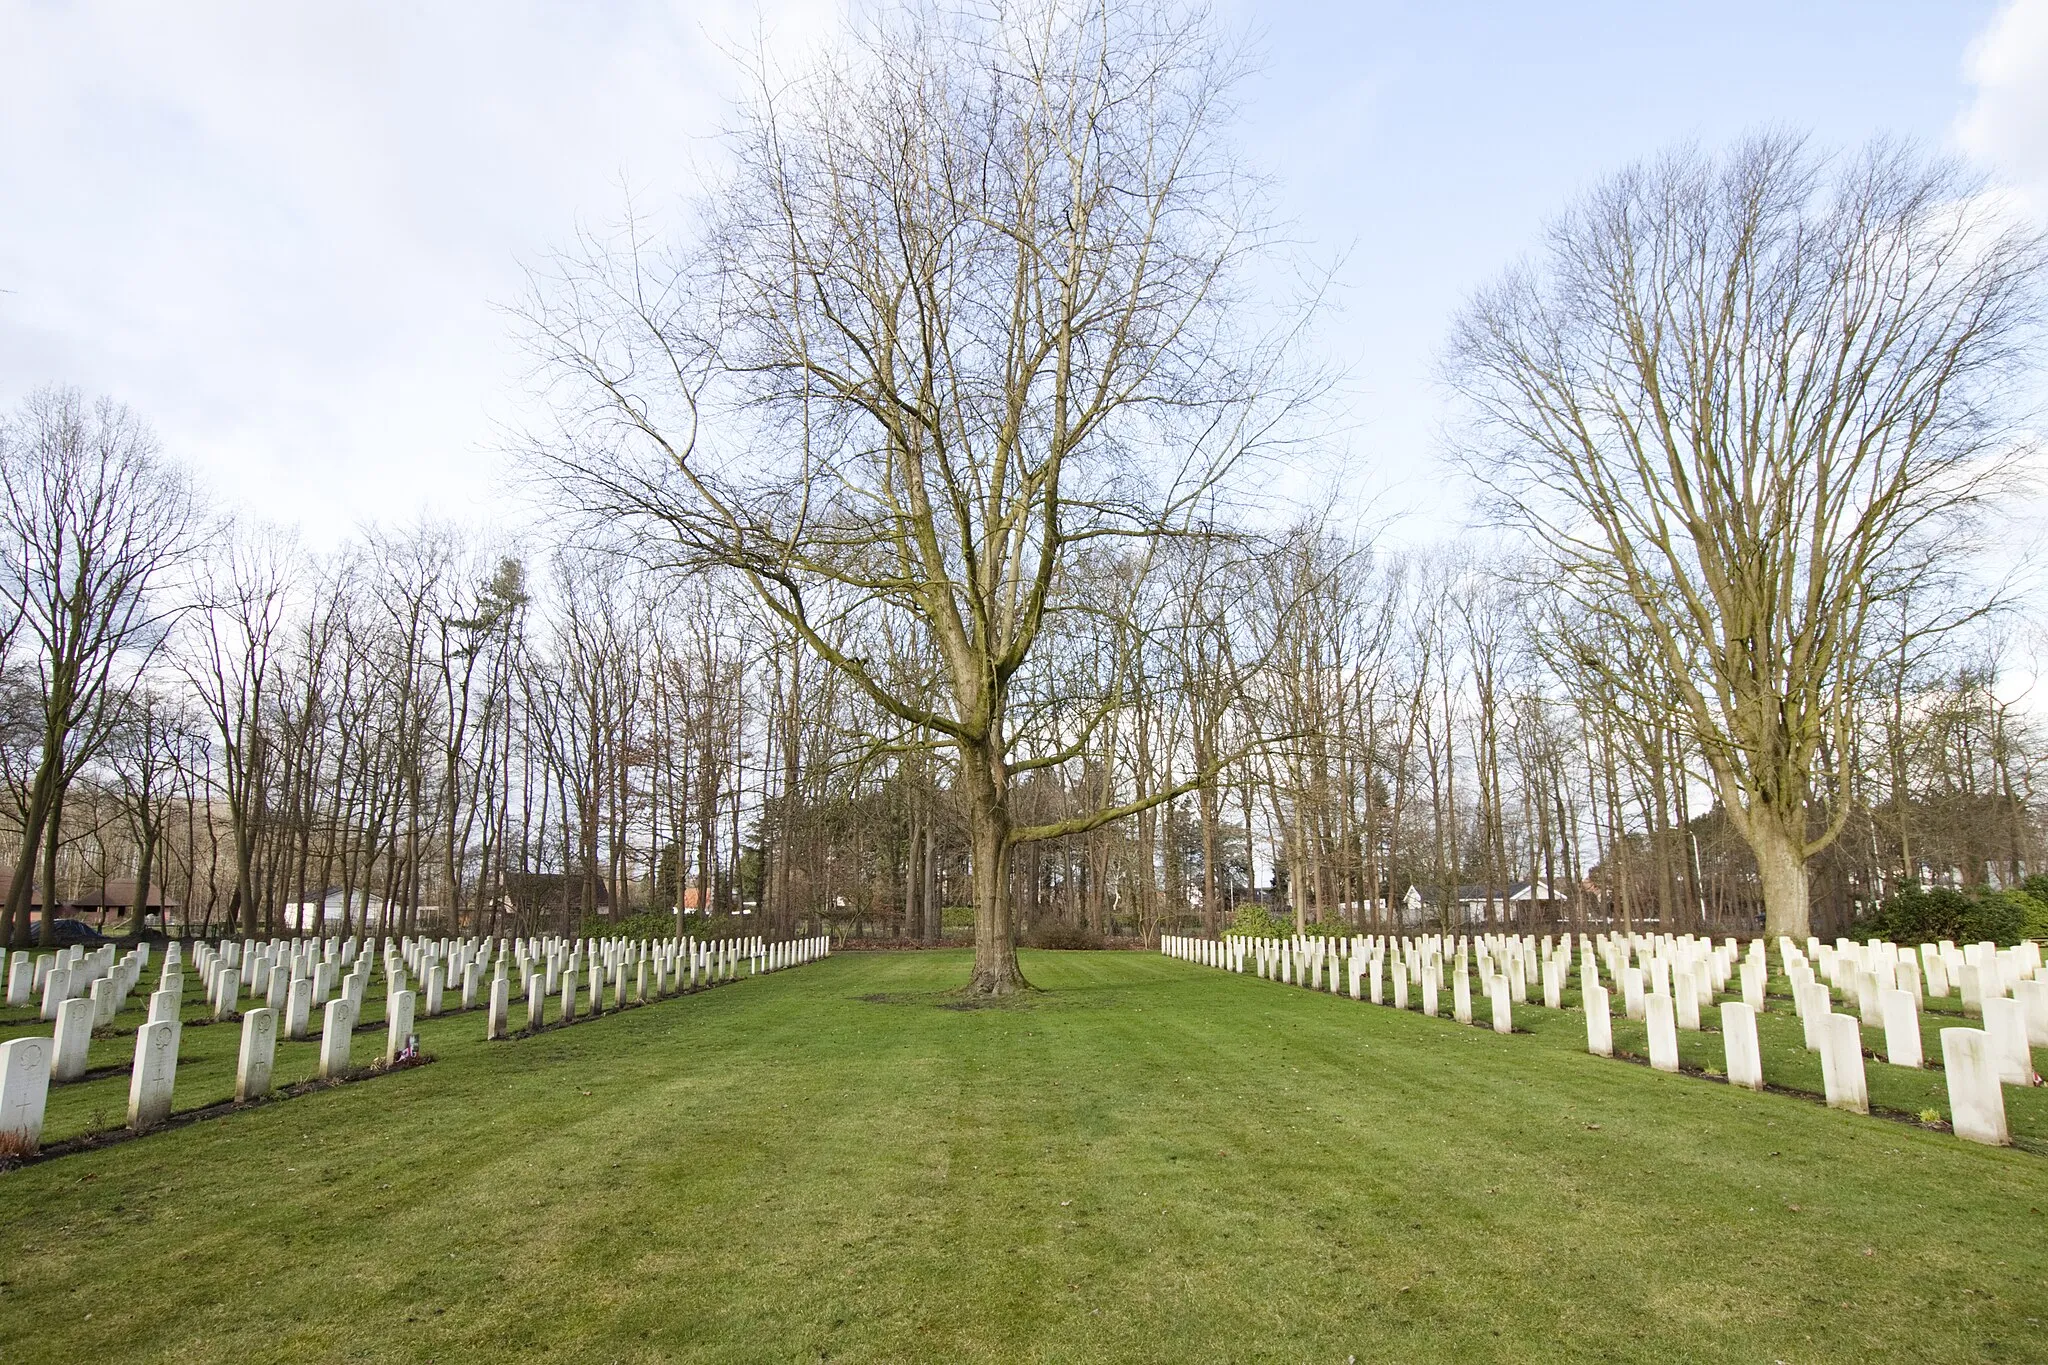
1146,1161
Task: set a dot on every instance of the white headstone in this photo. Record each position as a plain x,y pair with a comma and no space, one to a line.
25,1091
336,1026
1841,1062
258,1056
1685,1003
2005,1024
106,1000
1632,995
1500,992
21,978
1599,1022
56,990
154,1077
1743,1056
298,1009
1814,1005
1901,1028
1657,1012
2033,1000
1754,977
163,1007
1970,980
1976,1101
398,1011
73,1041
499,1008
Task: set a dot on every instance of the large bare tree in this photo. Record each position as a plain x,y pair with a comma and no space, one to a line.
969,308
1746,402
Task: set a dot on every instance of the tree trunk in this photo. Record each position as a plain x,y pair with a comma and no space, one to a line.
911,878
36,814
51,843
995,939
245,877
1206,802
1782,866
145,869
21,894
932,927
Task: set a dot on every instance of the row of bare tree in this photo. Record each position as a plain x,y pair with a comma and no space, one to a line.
272,740
406,734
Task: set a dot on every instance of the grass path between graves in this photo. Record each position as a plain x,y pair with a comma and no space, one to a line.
1146,1161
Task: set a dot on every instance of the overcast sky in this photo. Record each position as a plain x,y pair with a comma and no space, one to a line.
282,231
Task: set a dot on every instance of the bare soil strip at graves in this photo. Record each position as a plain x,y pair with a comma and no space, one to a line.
107,1137
1217,1169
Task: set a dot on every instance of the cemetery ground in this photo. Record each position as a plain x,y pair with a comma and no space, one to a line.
1146,1160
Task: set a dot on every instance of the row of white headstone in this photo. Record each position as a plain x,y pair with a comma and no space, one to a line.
72,974
295,975
637,970
29,1065
1506,964
1669,982
1883,983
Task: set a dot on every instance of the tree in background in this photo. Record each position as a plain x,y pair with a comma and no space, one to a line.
96,523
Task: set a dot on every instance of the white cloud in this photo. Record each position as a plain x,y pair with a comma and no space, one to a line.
2004,129
279,230
2005,126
